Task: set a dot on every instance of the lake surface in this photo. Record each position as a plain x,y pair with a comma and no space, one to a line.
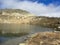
18,28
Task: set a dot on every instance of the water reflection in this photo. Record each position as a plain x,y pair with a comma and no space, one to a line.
18,28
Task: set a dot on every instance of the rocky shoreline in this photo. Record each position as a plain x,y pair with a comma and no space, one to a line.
43,38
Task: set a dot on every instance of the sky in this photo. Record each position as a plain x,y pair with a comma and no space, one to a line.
49,8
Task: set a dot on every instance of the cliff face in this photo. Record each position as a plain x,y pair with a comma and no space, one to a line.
23,17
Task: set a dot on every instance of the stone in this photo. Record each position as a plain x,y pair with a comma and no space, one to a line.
44,38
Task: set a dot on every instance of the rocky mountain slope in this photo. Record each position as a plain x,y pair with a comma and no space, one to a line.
13,16
19,16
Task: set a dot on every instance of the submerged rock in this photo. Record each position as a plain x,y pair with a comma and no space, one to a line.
44,38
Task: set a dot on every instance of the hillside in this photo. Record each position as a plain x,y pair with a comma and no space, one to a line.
19,16
13,15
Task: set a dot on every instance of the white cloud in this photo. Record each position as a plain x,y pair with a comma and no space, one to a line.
33,7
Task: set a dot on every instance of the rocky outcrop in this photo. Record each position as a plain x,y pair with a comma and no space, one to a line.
44,38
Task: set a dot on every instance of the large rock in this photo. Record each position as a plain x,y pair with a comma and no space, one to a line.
44,38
